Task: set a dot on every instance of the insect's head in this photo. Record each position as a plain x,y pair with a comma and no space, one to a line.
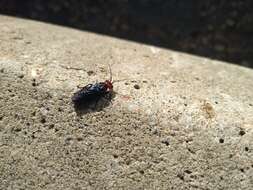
108,84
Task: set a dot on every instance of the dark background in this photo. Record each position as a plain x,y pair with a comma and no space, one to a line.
218,29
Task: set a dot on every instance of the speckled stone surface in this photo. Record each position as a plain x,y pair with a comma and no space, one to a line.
176,121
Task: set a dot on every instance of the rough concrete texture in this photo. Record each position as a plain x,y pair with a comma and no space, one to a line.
176,122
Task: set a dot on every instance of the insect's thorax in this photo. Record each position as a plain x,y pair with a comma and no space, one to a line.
98,87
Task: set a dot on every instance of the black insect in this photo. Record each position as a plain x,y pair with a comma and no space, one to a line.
92,93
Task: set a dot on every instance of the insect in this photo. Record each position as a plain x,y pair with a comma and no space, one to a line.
92,93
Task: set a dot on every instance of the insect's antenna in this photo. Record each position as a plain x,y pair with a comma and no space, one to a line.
111,80
110,73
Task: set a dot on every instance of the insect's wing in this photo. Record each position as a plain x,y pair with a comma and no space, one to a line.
77,96
88,93
96,90
87,87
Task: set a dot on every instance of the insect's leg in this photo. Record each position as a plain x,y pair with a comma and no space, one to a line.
108,98
79,86
84,87
96,103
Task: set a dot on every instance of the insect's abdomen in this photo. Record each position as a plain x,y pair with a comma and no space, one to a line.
89,94
79,96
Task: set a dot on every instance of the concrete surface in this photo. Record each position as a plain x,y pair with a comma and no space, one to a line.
188,126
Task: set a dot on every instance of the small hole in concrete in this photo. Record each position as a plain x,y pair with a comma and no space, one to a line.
166,142
43,120
90,73
128,162
34,82
242,170
1,118
136,86
193,176
242,132
250,104
246,149
145,81
188,171
180,176
126,83
141,172
79,139
69,139
185,105
115,156
51,126
28,124
221,140
33,113
60,110
2,70
216,102
17,129
191,151
21,76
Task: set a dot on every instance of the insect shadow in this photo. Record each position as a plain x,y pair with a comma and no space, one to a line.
94,104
